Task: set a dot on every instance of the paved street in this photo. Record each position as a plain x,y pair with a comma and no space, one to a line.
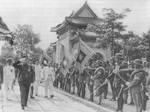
60,103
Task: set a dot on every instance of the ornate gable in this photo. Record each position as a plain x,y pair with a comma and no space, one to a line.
85,11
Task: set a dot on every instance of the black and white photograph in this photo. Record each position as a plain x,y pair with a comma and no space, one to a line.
74,55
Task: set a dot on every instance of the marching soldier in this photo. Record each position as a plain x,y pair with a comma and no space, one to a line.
137,85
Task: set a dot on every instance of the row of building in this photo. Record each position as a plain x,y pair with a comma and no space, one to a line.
5,37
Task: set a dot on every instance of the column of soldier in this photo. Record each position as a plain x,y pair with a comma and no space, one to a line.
29,76
128,82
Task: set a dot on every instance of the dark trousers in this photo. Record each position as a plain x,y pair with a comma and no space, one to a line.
105,91
113,90
24,92
56,82
91,87
145,99
81,91
31,93
120,100
68,85
62,83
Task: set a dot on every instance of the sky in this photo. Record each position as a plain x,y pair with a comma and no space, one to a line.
44,14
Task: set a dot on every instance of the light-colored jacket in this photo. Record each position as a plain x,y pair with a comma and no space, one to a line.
48,73
38,71
9,73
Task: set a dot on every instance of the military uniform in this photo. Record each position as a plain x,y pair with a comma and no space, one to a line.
82,84
121,78
99,79
56,77
91,83
136,86
73,80
68,82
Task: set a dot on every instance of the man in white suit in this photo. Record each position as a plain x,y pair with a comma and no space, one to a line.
37,77
48,78
9,76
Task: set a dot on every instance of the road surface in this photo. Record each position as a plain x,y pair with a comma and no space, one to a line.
60,103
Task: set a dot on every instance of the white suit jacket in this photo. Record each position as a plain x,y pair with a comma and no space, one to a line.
9,72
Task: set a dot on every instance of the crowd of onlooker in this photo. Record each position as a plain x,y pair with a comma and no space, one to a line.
29,76
129,82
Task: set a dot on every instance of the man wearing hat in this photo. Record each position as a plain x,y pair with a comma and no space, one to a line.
119,83
137,85
23,79
99,78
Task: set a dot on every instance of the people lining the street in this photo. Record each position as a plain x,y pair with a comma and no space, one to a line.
129,82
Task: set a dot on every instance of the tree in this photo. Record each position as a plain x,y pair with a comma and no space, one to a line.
110,28
134,49
146,42
25,40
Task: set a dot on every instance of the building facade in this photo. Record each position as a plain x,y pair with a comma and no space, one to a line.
72,37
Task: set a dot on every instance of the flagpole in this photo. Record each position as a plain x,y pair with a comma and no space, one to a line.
79,52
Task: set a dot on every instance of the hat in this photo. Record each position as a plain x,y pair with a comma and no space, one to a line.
138,62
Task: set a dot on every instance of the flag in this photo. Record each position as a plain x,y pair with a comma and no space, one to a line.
84,52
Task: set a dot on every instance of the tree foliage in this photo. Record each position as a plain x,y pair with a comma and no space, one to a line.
110,28
26,40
